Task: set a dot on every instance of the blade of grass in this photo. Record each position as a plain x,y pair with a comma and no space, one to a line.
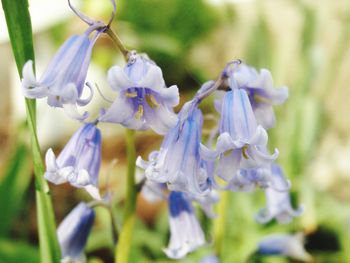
20,32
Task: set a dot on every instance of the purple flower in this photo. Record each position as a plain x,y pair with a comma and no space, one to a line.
64,79
260,89
242,143
284,244
278,202
73,233
210,259
246,180
186,234
79,162
178,162
143,99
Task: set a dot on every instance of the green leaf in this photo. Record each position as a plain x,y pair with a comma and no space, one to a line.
20,32
14,251
13,187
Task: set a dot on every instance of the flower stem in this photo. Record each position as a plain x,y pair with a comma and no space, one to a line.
124,244
220,223
117,41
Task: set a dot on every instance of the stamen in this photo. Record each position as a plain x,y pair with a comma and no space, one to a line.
131,94
139,112
227,153
261,99
151,100
244,152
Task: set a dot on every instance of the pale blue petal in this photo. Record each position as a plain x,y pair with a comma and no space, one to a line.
118,80
160,119
186,234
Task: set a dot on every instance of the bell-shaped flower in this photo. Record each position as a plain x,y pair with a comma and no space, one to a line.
260,88
242,143
247,180
73,233
64,79
143,100
278,202
79,162
178,162
210,259
186,234
285,245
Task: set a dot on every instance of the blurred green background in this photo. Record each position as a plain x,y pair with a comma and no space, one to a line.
306,46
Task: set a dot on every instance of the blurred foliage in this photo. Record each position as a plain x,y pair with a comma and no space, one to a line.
167,30
184,21
15,251
13,187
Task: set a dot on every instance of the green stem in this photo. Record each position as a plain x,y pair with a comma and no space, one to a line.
220,223
117,41
49,248
122,251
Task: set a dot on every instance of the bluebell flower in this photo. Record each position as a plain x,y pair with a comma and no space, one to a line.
186,234
246,180
260,89
143,100
285,245
278,202
64,79
79,162
242,143
178,162
210,259
73,233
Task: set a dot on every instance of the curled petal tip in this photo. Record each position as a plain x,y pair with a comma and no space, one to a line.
72,111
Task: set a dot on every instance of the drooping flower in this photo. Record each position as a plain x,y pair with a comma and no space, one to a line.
278,202
242,143
260,89
143,100
178,162
64,79
73,233
79,162
210,259
246,180
186,234
284,244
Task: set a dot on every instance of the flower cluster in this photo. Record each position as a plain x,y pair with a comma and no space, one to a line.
185,169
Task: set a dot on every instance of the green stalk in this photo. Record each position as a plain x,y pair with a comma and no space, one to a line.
20,32
220,223
122,251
